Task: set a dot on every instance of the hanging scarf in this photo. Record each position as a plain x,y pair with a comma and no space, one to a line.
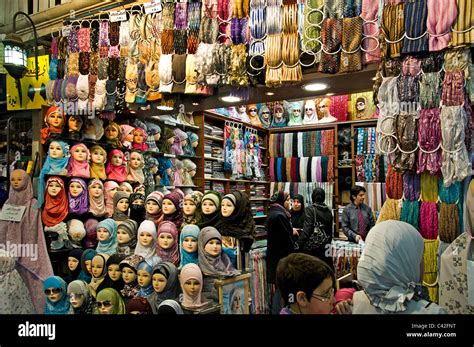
351,58
429,220
448,222
331,38
410,213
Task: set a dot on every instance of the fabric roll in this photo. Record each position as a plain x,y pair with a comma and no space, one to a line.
294,177
300,145
298,172
288,168
303,166
324,168
279,169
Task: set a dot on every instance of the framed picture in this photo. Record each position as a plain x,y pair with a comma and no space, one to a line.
234,294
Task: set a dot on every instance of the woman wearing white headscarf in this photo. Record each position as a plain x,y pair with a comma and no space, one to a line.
390,272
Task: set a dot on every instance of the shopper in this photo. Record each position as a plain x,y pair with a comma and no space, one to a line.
280,242
357,217
307,286
390,272
320,213
297,212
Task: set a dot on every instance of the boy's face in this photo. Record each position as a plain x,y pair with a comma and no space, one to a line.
321,301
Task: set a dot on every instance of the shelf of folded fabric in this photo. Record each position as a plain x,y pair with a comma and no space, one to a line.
219,117
216,179
172,123
213,138
208,157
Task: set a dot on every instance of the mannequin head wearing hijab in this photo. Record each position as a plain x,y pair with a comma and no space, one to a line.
191,203
137,207
128,267
56,203
138,305
191,282
169,307
76,231
121,206
228,205
55,289
107,236
168,248
116,166
153,203
189,244
79,297
78,165
110,302
127,233
210,203
91,233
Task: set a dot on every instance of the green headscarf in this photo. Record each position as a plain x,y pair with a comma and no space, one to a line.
110,294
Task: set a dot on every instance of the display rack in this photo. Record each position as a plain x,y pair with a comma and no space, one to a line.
227,184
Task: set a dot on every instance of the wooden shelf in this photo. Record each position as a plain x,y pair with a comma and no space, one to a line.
216,179
219,117
214,138
361,122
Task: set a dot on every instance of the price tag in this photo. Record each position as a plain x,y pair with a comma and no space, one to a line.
118,16
152,7
66,30
12,213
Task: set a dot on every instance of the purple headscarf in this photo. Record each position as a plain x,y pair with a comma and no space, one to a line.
80,203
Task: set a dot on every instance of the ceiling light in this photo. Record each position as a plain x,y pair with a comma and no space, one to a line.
315,87
195,103
230,98
269,93
165,108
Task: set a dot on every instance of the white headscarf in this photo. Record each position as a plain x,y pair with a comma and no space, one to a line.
389,268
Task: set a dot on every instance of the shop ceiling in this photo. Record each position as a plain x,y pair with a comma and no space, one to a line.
52,20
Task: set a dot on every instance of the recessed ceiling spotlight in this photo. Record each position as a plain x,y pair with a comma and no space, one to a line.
195,103
230,98
269,93
165,108
315,87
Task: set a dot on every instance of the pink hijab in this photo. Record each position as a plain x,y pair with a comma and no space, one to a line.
28,231
79,168
116,173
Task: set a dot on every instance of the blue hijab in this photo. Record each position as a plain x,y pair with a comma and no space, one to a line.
188,148
189,230
165,164
110,246
52,166
88,254
62,306
148,266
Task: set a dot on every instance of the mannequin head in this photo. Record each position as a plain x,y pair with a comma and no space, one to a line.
97,266
189,208
53,294
228,205
54,188
129,275
309,109
117,158
16,179
111,187
75,123
112,131
102,234
296,110
140,190
123,204
127,133
136,161
110,302
159,282
252,110
114,272
168,206
323,108
139,136
126,231
242,109
190,244
360,104
152,207
80,152
278,113
98,155
55,150
72,263
122,236
165,240
190,279
210,203
144,278
76,300
145,238
125,187
76,231
213,247
75,189
54,117
96,189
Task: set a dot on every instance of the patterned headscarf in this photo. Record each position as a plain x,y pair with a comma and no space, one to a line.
79,287
97,205
171,254
80,203
171,290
